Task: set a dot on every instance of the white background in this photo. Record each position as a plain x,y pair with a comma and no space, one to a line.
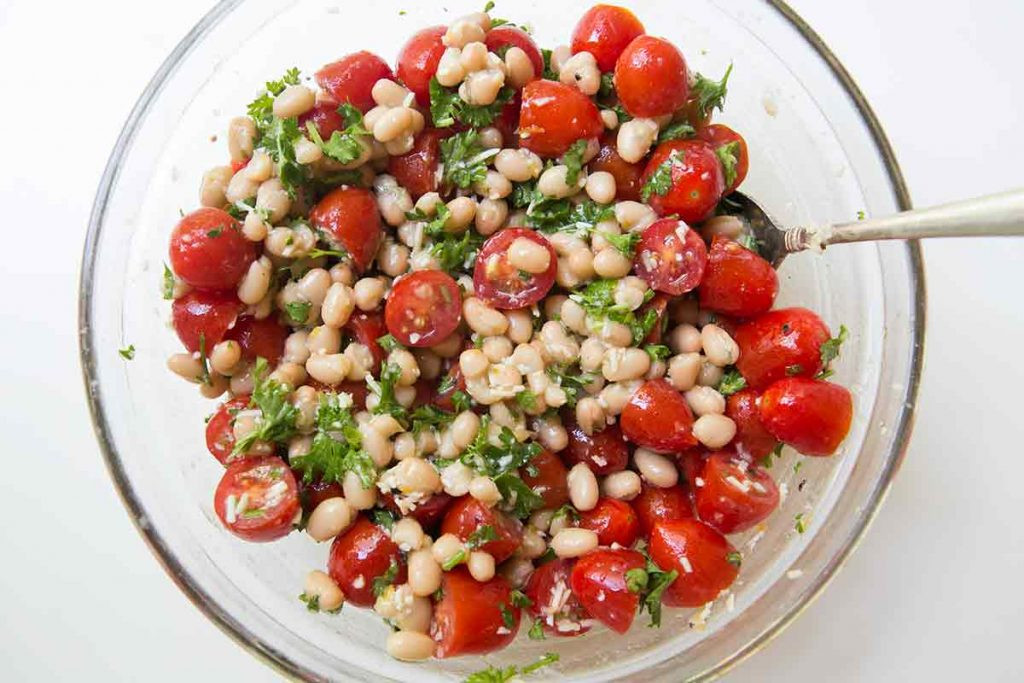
933,593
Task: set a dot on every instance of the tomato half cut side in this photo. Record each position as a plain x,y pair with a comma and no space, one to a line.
502,285
220,434
423,308
257,499
734,495
671,257
552,602
469,619
416,170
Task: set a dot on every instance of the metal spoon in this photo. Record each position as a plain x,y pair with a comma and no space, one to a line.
991,216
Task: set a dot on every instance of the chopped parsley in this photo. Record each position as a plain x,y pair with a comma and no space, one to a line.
775,453
728,154
481,536
520,600
567,511
389,343
454,560
676,131
660,181
598,300
800,524
278,136
657,352
430,417
734,558
465,159
337,446
573,160
344,146
298,311
830,351
527,399
495,675
562,215
313,604
168,284
383,518
626,242
128,353
731,382
536,631
549,73
384,389
383,582
447,108
571,379
650,583
710,94
494,461
277,414
519,499
507,617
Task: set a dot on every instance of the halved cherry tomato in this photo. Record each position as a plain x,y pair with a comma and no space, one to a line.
349,216
711,563
670,257
506,36
549,482
359,556
658,304
351,79
627,175
657,417
467,514
614,521
737,281
507,121
554,604
604,452
325,117
416,171
220,434
604,31
735,495
696,176
367,328
554,116
203,318
208,250
599,581
501,284
691,464
651,77
811,415
428,512
752,440
656,504
720,135
423,308
469,619
778,344
314,492
259,338
417,61
257,498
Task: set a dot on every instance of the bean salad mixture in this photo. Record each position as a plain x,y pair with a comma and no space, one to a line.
485,324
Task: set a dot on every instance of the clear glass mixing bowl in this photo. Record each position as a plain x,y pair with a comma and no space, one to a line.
817,154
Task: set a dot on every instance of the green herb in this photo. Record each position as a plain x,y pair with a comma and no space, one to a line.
518,498
277,414
657,582
797,465
573,160
446,384
128,353
168,284
215,233
344,146
337,446
676,131
520,600
536,631
795,369
636,580
279,140
527,399
861,215
598,300
507,617
430,417
488,7
625,243
621,113
572,380
748,241
548,658
800,524
732,381
734,558
657,352
830,348
549,73
660,181
461,401
561,215
465,159
204,375
493,461
776,453
382,582
384,389
523,194
568,512
728,154
457,252
481,536
454,561
447,108
548,556
495,675
383,518
313,604
606,91
389,343
709,94
262,108
298,311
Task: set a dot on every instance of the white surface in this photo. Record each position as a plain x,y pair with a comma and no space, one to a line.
933,593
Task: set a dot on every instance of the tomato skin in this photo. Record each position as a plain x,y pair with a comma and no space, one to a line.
253,477
468,618
614,521
360,555
658,304
325,117
658,417
541,589
467,514
428,512
723,506
655,504
599,581
778,344
208,250
752,440
604,452
549,482
627,175
604,31
416,170
204,314
811,415
502,36
417,61
651,77
314,492
423,308
553,116
499,283
349,216
445,400
697,180
707,552
367,328
737,281
658,260
259,338
220,435
351,79
718,135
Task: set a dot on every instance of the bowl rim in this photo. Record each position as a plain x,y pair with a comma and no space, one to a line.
279,660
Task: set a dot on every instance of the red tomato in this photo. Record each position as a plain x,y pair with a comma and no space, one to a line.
417,61
691,464
604,31
719,135
259,338
658,304
428,512
325,117
220,435
367,328
468,619
670,257
651,77
656,504
811,415
657,417
467,514
423,308
697,180
315,492
752,440
510,36
208,250
444,400
257,498
737,281
614,521
599,581
351,79
735,495
549,482
554,604
707,570
349,217
554,116
604,452
778,344
416,171
237,166
501,284
360,555
627,175
204,316
508,121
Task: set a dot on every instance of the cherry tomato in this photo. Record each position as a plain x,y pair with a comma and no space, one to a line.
257,498
811,415
509,36
351,79
658,304
259,338
469,619
445,399
314,492
416,171
554,604
598,580
428,512
657,417
467,514
349,217
627,175
778,344
208,250
367,328
656,504
359,556
237,166
614,521
417,61
549,482
220,434
203,318
696,177
737,281
720,135
325,117
508,121
707,570
670,257
691,464
752,440
736,495
651,77
604,31
604,452
501,284
423,308
554,116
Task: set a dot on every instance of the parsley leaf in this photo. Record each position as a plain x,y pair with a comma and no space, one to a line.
657,352
382,582
527,399
344,146
710,94
313,604
660,181
657,582
572,380
519,499
279,140
491,460
481,536
561,215
447,108
465,159
573,160
337,445
731,382
728,154
606,91
389,343
128,353
168,284
548,658
277,414
800,524
830,348
495,675
454,561
297,311
385,391
734,558
676,131
383,518
457,252
598,300
536,631
625,242
549,73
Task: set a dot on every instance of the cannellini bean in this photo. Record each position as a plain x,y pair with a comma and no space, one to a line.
256,282
590,415
551,434
633,216
482,87
368,293
710,374
601,187
719,347
185,365
685,338
726,226
329,518
483,319
323,340
450,71
490,215
615,396
225,356
425,572
520,326
409,646
485,490
295,100
655,468
407,534
558,346
574,317
525,254
214,184
406,362
387,93
463,32
330,369
358,497
446,548
274,198
417,618
559,56
583,490
473,57
241,138
574,542
313,286
554,182
683,370
481,565
714,431
533,544
490,138
338,304
291,374
625,364
254,228
610,119
518,165
393,259
635,138
240,189
611,263
581,71
392,123
462,211
216,385
519,67
623,485
705,401
493,186
322,587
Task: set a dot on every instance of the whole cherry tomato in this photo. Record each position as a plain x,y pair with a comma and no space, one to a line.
349,217
670,257
501,284
503,37
737,281
656,504
811,415
707,563
208,250
314,492
778,344
552,602
201,319
423,308
651,77
220,434
469,619
614,521
427,512
259,338
417,61
604,452
325,117
658,417
549,482
720,136
604,31
367,328
627,175
554,116
752,440
598,580
696,179
351,79
257,498
359,556
735,495
467,514
416,171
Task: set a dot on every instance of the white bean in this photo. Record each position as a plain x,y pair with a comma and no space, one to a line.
583,491
719,347
656,469
409,646
714,431
574,542
329,518
623,485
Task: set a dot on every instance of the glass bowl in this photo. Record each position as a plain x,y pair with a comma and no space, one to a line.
817,154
